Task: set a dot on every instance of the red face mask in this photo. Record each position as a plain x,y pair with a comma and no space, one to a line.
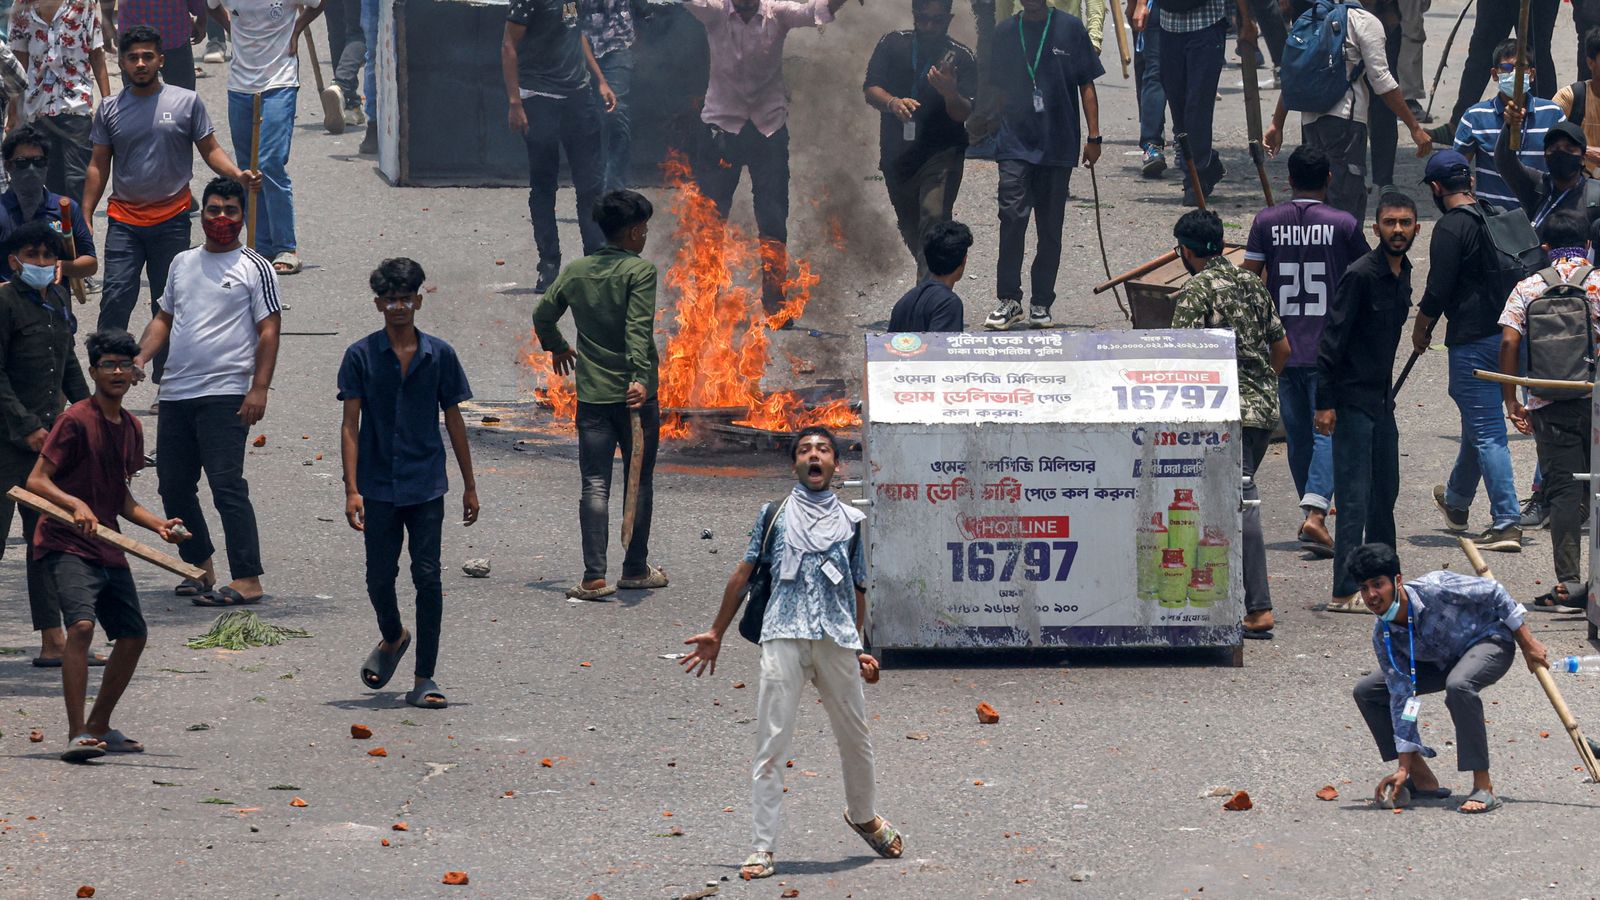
221,230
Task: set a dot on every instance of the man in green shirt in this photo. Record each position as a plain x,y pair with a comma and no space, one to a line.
612,294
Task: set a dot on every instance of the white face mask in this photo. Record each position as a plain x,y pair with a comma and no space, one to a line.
1508,84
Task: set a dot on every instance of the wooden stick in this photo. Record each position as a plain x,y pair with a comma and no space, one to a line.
1568,721
78,292
630,506
316,64
1546,383
255,166
1520,97
115,538
1137,271
1124,51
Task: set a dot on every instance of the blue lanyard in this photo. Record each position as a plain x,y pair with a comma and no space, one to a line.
1549,207
1411,637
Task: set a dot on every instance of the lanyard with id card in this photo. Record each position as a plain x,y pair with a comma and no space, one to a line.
1038,53
1414,704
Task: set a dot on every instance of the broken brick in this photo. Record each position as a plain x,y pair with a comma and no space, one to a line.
86,891
377,751
35,736
1239,802
384,842
401,826
987,714
455,878
360,732
547,762
1328,792
297,803
260,441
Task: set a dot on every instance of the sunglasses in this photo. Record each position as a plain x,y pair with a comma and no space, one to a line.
113,365
30,162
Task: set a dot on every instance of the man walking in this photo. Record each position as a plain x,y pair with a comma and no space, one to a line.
266,64
1036,149
1355,392
1222,295
179,22
150,132
746,114
1463,287
394,384
1556,345
26,151
1443,632
1483,124
546,63
84,466
219,321
612,295
934,305
807,548
1146,22
924,85
59,45
608,27
39,375
347,49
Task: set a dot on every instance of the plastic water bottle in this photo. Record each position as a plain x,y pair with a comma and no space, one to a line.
1577,665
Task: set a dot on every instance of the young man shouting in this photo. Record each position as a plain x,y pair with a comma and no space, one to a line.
809,547
93,449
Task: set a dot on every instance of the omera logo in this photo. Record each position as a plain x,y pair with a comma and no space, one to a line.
1171,376
1143,436
905,345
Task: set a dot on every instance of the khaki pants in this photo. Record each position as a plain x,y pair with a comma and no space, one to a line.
786,665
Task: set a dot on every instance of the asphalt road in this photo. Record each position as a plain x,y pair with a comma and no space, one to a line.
1089,786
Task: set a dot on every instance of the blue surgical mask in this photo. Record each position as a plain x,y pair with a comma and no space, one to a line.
1393,612
38,277
1508,84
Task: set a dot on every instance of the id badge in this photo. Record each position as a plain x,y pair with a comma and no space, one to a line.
832,571
1038,100
1413,706
908,131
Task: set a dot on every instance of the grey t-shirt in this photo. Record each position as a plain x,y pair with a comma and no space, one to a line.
152,141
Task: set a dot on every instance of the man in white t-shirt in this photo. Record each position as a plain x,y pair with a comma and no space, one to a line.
220,313
266,37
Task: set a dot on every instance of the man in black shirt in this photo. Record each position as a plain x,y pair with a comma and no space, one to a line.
1563,186
1049,69
1463,287
546,63
923,83
1355,367
933,305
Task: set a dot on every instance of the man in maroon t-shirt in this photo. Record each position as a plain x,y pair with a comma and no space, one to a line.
93,449
1301,248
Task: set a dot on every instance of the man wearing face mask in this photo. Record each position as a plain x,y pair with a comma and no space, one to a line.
1562,186
1483,125
1448,632
26,151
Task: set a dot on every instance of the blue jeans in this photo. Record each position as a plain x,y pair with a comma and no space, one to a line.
1484,454
369,24
275,213
1310,454
1152,99
616,135
129,251
1366,463
420,527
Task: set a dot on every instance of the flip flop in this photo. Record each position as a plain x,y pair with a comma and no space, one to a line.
289,260
192,587
83,748
761,862
1350,604
579,592
882,840
1490,803
1256,634
117,742
419,696
652,578
1438,793
1549,602
46,662
380,666
227,596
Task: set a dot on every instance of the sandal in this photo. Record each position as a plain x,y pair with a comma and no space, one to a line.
227,596
652,578
83,748
192,587
1550,602
884,840
380,664
427,696
1438,793
54,662
1490,803
761,862
117,742
579,592
287,263
1350,604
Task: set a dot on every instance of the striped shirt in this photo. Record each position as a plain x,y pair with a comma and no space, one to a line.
1479,131
217,302
1203,16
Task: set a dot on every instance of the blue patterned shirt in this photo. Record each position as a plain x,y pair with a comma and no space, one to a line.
811,607
1450,612
1479,131
608,24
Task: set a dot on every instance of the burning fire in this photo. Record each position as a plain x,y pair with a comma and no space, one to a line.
719,352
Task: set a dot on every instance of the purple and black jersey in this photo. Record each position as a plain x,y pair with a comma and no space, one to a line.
1305,246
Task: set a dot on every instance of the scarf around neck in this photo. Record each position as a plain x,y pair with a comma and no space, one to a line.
813,521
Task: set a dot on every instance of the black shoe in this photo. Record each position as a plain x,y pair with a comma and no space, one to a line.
547,276
369,144
1213,174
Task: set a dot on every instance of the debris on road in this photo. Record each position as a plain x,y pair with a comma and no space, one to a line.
297,803
260,441
377,751
1082,875
400,826
455,878
1328,792
1219,791
987,714
916,735
86,891
242,629
384,842
1238,802
360,732
35,736
476,568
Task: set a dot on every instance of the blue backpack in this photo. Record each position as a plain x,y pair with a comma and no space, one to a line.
1313,76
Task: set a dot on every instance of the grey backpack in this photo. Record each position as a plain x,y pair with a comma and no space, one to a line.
1558,341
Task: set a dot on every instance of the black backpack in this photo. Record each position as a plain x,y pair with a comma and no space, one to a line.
758,590
1558,340
1580,102
1516,252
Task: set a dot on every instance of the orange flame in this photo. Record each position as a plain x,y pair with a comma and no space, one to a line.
558,391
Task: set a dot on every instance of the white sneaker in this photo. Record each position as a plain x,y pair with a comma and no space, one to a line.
213,53
1005,315
1039,317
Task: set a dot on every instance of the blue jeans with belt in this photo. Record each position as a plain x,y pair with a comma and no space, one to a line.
1310,454
1484,454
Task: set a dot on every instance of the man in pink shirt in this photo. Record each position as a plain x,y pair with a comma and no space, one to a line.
746,116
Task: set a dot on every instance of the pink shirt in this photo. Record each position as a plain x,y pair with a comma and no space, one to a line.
746,82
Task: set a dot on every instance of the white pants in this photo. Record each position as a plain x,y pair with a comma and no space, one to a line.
786,665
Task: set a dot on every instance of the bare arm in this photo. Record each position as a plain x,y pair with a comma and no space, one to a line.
515,116
307,16
1280,355
1091,121
154,338
144,518
97,62
702,660
349,433
254,407
1510,364
95,178
457,429
1254,265
41,481
216,158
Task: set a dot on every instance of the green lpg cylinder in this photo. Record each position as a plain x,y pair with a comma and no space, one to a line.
1183,527
1152,540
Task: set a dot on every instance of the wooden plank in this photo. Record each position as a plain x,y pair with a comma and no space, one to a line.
1546,383
115,538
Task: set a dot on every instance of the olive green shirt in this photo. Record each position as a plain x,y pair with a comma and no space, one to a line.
1222,295
39,371
612,295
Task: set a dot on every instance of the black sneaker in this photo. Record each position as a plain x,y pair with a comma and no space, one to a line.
369,144
1505,540
1535,514
1007,313
1454,519
547,276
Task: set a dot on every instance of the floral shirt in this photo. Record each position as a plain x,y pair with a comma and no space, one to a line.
811,607
1515,314
1223,295
608,24
60,77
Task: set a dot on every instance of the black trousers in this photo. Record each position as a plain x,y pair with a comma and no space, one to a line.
602,429
1493,22
1366,472
1383,127
721,157
1257,593
14,470
1561,435
420,526
206,435
1040,192
555,123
